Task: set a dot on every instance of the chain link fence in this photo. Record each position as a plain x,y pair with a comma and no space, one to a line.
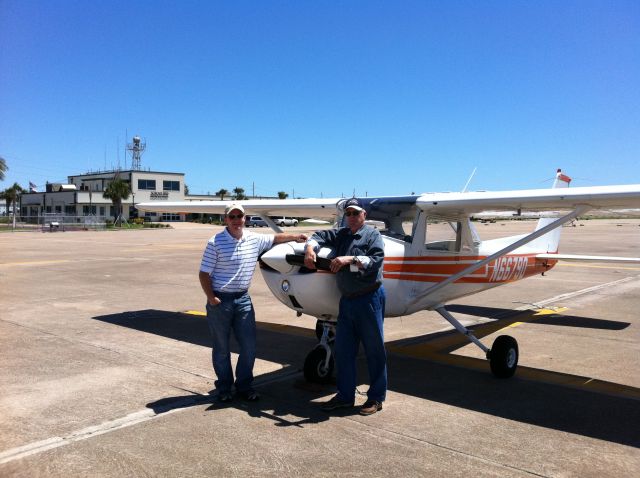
54,223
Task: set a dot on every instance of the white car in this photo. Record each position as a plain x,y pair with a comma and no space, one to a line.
285,221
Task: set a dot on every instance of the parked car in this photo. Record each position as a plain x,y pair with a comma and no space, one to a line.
255,221
285,221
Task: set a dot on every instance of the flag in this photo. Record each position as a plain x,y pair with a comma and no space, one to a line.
32,187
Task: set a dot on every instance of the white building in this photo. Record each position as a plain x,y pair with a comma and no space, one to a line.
82,196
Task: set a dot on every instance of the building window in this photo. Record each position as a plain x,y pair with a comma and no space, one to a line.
86,210
171,185
147,184
70,210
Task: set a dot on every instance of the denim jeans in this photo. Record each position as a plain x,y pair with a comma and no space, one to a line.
235,313
360,319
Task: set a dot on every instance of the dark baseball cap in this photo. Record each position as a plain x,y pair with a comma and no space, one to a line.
353,203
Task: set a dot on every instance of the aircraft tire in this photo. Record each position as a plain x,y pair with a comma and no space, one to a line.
314,370
503,357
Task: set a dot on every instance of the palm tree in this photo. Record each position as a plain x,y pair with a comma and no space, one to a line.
238,193
222,194
11,196
117,191
3,197
3,168
282,195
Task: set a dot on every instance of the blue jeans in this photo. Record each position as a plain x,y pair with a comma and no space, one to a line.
236,313
361,319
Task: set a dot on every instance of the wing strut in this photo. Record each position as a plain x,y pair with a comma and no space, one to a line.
461,328
525,240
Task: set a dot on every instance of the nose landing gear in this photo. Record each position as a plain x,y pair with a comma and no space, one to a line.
319,364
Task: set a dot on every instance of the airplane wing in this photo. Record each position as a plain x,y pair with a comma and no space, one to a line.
593,197
317,208
434,204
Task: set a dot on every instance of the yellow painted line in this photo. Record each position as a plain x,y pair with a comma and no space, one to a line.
35,263
194,312
559,310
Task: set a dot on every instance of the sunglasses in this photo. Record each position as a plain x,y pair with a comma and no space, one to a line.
352,213
235,216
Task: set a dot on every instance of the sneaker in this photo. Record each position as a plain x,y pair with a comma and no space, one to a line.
370,407
250,396
335,403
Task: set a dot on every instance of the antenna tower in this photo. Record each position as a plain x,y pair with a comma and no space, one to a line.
136,147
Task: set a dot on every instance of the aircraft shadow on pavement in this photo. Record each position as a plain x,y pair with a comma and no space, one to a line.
287,400
552,319
283,348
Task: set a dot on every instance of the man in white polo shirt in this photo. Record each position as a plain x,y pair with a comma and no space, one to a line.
227,268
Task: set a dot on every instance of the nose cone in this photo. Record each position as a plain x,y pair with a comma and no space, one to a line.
276,257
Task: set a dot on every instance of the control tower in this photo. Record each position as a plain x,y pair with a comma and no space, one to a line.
136,147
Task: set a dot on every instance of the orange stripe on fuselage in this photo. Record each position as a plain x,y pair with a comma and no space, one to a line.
508,268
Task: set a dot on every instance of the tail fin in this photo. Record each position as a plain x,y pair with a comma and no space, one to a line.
550,241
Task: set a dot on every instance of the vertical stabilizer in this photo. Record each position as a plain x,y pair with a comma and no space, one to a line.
549,242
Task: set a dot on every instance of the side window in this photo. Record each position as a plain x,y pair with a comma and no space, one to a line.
171,185
442,236
147,184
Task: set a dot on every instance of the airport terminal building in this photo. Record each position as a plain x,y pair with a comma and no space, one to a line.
82,195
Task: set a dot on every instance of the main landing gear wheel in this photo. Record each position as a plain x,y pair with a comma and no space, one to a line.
503,356
314,366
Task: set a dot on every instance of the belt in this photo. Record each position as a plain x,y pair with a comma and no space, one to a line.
229,295
364,291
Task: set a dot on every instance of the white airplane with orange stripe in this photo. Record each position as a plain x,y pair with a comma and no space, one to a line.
433,253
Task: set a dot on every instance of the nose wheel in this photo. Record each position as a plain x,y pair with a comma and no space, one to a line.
318,366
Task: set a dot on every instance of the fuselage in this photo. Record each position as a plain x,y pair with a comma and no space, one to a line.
408,275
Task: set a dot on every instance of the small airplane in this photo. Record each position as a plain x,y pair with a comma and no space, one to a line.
433,253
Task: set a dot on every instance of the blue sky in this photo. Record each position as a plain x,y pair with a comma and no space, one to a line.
324,97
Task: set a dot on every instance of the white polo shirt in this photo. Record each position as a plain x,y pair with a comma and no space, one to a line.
231,262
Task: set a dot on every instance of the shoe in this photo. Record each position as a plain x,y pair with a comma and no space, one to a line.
335,403
370,407
224,397
250,396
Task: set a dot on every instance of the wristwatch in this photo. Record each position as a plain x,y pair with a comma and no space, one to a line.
354,261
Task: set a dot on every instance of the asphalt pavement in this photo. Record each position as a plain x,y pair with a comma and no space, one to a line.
106,370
